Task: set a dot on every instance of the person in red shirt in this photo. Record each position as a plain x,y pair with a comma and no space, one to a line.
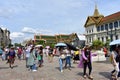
105,51
19,53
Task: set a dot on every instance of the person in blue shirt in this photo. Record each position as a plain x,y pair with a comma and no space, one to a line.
11,57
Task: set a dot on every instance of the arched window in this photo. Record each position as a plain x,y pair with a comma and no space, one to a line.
89,31
102,39
98,28
111,25
92,30
89,39
106,38
102,27
115,24
106,26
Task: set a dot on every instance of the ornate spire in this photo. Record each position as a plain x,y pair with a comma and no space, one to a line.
96,12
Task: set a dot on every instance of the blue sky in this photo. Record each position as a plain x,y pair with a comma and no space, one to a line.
24,18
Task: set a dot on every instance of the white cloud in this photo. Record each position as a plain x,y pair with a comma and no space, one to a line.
28,30
35,30
16,35
28,38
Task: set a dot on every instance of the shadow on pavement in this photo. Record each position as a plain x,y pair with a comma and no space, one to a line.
8,67
105,74
57,68
106,62
15,66
80,73
4,67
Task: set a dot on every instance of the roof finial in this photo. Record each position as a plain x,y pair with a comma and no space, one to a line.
96,12
95,5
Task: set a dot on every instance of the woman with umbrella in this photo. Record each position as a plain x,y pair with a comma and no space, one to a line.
61,58
68,58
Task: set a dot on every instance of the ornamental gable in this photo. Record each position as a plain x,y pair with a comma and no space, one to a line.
89,22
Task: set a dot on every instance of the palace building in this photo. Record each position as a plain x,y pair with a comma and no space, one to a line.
74,39
53,39
103,28
4,37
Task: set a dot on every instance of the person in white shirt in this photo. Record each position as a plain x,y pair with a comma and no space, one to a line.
27,55
115,63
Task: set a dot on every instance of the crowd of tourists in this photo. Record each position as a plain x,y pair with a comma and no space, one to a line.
34,57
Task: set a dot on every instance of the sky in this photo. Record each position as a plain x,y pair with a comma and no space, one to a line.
25,18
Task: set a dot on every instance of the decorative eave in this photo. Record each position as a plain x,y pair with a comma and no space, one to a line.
97,20
89,21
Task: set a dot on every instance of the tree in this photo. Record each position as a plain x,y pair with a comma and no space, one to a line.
10,45
17,45
97,44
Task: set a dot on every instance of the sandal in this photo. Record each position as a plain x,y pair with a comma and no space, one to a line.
84,76
114,77
90,77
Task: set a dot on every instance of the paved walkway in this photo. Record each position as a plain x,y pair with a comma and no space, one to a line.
50,71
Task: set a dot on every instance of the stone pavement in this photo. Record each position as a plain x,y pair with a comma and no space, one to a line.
50,71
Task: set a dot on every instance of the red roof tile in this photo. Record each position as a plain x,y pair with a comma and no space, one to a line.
111,17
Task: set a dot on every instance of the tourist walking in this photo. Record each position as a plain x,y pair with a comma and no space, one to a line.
115,61
86,61
68,58
1,51
76,56
50,55
119,60
19,53
27,55
105,50
6,54
32,59
119,70
3,54
11,57
40,56
61,58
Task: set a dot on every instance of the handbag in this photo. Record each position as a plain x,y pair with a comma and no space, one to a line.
62,56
